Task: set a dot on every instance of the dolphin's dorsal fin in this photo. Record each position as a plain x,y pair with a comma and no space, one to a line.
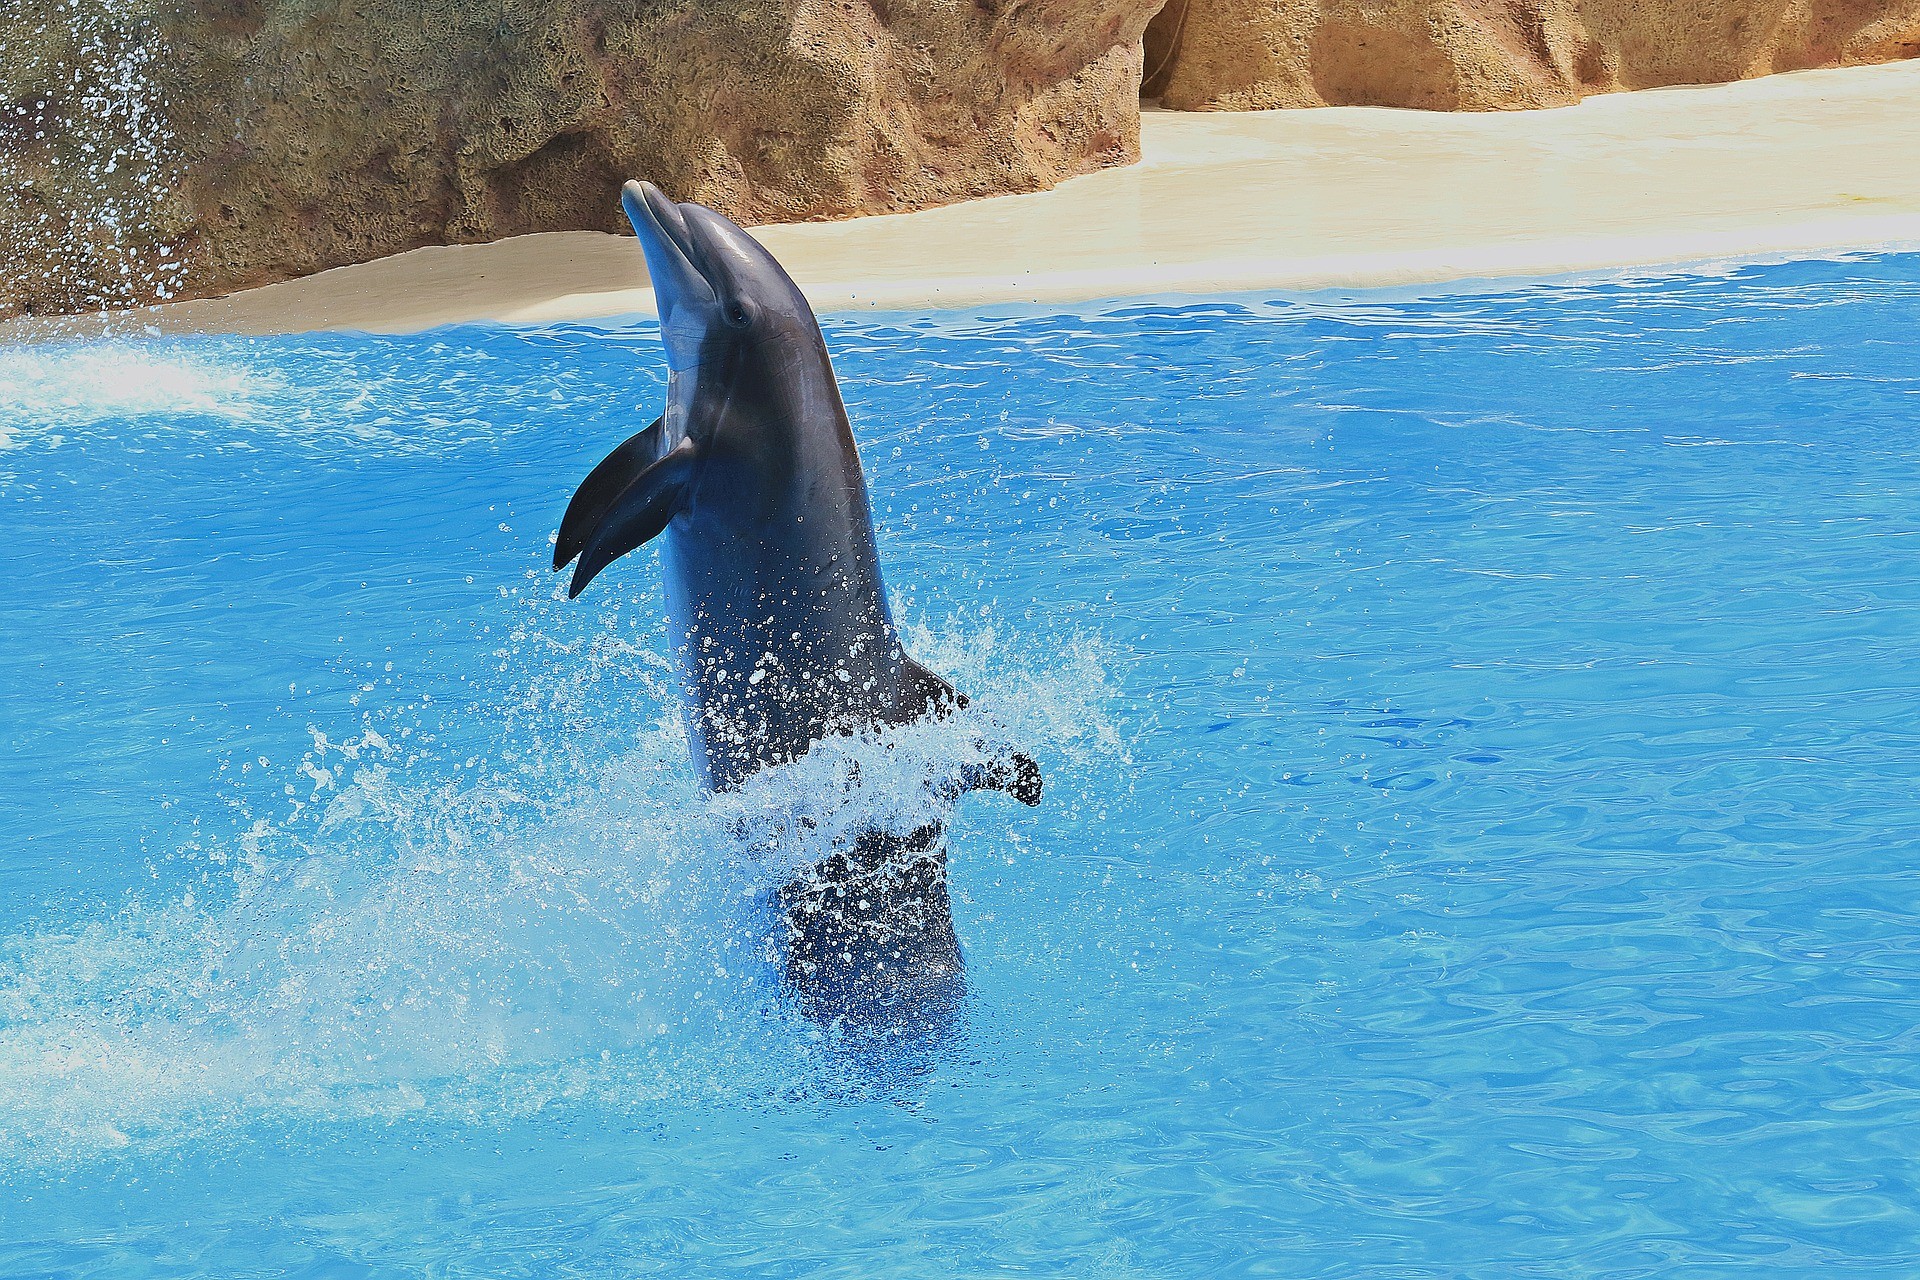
642,510
603,485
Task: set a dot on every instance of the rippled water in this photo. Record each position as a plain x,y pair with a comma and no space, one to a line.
1480,735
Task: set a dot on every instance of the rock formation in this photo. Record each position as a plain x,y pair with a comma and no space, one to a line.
154,148
1476,55
307,135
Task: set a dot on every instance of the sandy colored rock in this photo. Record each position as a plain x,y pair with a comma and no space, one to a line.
167,148
306,134
1476,55
1272,202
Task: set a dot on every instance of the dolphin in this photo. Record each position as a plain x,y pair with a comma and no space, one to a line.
780,627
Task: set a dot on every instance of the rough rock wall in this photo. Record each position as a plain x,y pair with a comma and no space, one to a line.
1476,55
86,208
312,133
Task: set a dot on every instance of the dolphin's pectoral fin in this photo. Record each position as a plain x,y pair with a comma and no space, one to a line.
926,691
641,511
1016,774
603,487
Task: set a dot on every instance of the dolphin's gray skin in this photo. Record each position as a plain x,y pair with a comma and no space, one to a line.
774,601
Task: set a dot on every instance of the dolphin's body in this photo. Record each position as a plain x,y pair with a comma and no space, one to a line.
779,620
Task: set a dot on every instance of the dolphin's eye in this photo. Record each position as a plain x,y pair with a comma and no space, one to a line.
736,313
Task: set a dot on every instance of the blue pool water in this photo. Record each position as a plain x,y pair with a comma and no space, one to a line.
1480,834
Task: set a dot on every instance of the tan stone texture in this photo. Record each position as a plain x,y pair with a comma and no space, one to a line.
313,133
155,147
1476,55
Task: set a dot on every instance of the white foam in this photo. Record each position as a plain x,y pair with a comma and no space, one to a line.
45,390
488,943
239,395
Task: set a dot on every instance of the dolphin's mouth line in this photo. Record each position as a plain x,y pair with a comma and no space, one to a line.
662,218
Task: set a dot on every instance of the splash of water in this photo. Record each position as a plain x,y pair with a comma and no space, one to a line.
71,386
88,164
341,399
564,928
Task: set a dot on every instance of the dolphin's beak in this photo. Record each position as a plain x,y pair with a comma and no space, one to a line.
678,285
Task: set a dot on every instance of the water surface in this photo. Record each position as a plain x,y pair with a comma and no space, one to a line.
1480,736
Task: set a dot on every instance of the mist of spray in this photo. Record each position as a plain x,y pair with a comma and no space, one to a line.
88,166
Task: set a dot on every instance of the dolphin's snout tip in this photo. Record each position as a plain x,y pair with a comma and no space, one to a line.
643,202
638,191
653,212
